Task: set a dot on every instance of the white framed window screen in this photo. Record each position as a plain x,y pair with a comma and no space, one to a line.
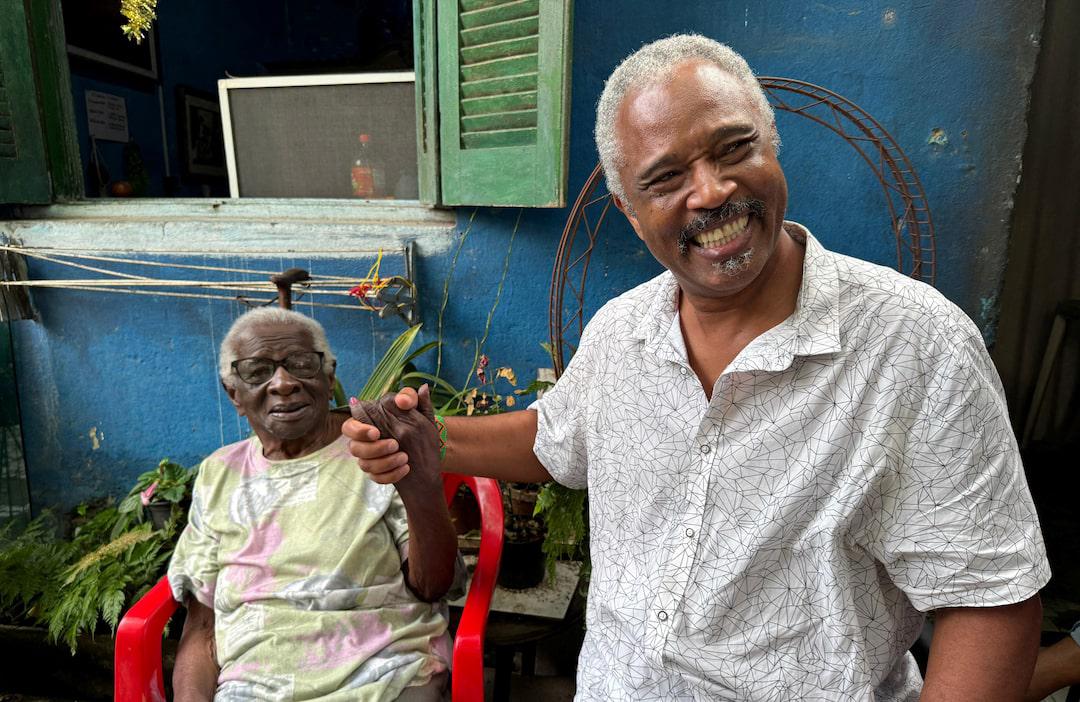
298,136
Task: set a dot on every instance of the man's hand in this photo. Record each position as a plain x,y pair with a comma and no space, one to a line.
498,446
392,440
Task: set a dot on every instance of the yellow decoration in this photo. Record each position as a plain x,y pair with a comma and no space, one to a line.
140,14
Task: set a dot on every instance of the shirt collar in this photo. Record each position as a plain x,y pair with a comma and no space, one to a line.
813,329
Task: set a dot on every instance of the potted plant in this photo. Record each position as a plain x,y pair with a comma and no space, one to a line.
522,563
164,493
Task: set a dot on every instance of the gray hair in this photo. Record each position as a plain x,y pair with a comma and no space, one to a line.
271,315
653,64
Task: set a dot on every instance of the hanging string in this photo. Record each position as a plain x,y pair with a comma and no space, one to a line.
365,290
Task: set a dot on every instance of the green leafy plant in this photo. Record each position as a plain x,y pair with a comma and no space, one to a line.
564,511
74,585
169,482
31,562
388,371
99,586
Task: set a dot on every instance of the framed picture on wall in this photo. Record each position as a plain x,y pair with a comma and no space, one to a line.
92,30
200,140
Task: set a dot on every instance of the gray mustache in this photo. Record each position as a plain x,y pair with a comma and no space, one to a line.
709,220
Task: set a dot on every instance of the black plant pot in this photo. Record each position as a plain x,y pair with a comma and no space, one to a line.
159,512
522,564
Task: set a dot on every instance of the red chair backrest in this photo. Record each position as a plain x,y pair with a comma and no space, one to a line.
138,675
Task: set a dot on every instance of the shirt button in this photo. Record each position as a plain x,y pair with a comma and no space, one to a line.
690,533
706,448
682,369
661,615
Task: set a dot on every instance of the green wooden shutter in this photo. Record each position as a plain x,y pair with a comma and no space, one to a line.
24,175
504,96
427,107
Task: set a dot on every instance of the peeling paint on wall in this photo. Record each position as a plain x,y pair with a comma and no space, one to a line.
938,137
95,442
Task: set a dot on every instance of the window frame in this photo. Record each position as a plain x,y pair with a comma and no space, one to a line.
63,163
298,81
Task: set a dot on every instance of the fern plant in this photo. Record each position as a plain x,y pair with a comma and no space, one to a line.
31,563
72,586
101,583
564,511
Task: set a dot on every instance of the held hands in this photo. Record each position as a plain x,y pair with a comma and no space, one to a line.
395,439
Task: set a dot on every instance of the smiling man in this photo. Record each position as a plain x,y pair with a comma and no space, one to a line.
791,455
304,579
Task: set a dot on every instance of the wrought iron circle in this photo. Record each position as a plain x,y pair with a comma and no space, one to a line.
909,213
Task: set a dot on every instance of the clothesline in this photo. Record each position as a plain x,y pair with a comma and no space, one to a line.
364,289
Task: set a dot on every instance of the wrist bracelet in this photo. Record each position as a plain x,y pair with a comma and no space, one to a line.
440,426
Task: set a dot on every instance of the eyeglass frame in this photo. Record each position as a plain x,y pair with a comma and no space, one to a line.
279,364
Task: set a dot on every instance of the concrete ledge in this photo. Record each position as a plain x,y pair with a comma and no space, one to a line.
271,227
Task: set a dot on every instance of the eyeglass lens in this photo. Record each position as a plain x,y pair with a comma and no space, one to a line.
299,365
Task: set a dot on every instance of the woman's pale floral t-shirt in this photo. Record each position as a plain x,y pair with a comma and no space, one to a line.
301,562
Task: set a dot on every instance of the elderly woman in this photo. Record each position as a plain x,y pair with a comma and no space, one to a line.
303,578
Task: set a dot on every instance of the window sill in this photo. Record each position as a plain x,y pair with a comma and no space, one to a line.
246,226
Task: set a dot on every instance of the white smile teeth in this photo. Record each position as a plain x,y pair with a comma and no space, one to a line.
721,235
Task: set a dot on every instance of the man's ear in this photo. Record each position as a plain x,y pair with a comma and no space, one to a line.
231,392
628,212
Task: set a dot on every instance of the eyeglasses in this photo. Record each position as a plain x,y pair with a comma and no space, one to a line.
257,370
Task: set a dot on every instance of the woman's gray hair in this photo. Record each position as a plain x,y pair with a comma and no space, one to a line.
271,315
652,64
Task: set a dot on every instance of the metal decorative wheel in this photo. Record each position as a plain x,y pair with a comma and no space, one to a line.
908,211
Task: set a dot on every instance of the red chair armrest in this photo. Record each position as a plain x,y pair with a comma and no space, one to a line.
468,677
138,671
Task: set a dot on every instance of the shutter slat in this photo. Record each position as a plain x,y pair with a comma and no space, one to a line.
499,103
471,5
504,72
514,29
510,47
498,120
500,138
500,13
495,86
6,123
499,68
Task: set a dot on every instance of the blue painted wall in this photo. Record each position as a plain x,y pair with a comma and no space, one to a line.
948,80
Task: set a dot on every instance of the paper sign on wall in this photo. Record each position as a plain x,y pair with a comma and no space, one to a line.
107,115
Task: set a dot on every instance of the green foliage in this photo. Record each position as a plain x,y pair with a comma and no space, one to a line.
564,511
31,562
101,584
75,585
171,482
391,366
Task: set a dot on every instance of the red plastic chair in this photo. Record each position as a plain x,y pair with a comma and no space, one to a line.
138,669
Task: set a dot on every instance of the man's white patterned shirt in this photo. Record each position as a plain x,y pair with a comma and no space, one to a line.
854,468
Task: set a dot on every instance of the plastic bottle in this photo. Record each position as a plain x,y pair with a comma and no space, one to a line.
368,175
